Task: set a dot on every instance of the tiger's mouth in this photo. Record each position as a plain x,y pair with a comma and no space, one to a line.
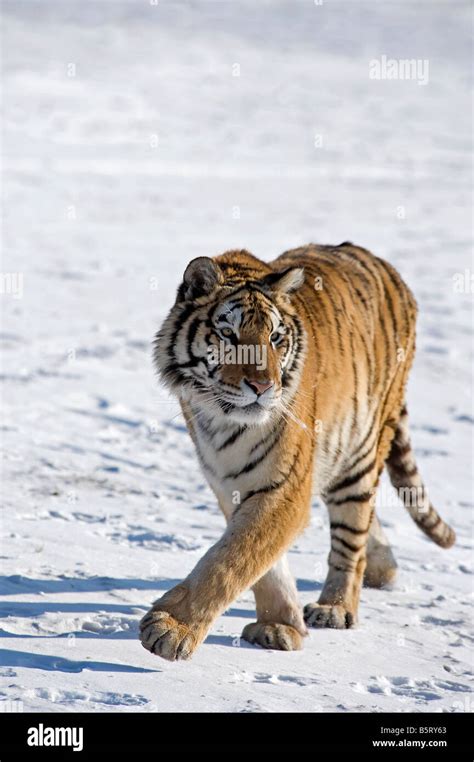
254,409
252,412
236,408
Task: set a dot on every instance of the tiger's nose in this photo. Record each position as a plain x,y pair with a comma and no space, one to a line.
259,387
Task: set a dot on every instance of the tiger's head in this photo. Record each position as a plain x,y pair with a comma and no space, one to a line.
233,342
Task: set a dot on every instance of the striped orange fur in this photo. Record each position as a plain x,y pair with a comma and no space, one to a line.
319,408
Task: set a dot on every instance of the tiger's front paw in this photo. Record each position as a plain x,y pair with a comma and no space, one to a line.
163,635
280,637
323,615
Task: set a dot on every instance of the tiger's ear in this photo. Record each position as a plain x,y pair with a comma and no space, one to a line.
284,281
201,277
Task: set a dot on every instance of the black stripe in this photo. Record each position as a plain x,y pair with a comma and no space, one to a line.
233,438
204,424
363,455
269,488
281,425
341,525
277,484
380,285
361,497
327,310
338,329
342,553
386,345
329,258
353,255
295,353
353,548
402,470
359,273
398,451
400,289
362,297
226,407
254,463
173,371
254,288
355,396
369,359
391,310
239,267
192,331
178,324
349,480
235,300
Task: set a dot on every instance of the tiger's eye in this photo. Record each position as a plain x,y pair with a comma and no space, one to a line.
227,331
275,337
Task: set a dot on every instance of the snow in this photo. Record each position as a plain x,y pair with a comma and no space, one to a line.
130,147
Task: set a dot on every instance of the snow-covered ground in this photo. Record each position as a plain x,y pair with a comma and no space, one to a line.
137,136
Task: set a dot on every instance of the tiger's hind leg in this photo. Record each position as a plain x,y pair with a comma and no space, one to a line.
279,624
350,506
381,568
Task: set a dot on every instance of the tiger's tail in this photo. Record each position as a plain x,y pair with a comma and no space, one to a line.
405,478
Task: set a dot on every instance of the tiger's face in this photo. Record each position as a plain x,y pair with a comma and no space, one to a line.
232,345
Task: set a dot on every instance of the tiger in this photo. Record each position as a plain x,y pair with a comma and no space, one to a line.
319,413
